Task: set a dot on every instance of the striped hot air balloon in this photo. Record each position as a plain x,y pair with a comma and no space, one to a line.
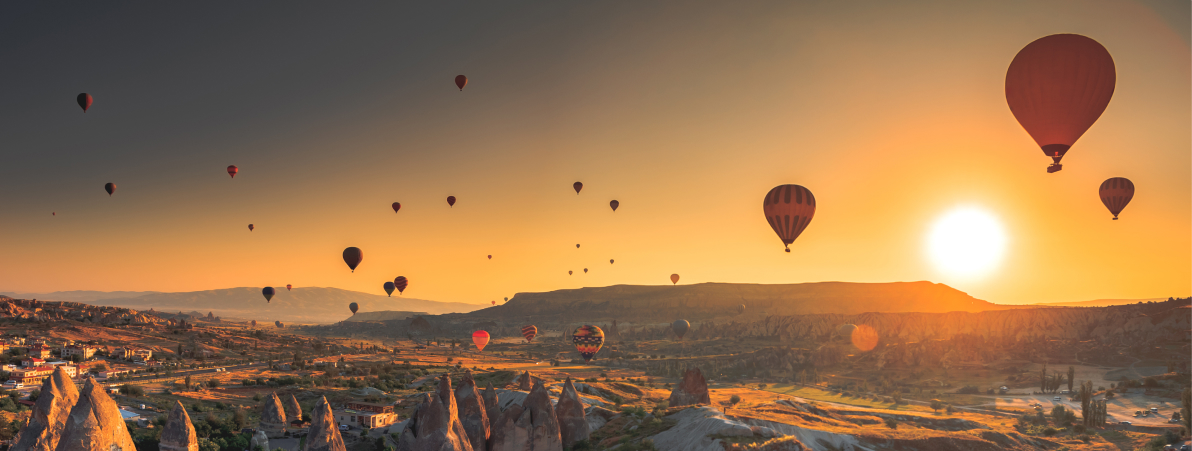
1116,193
588,340
529,332
789,208
480,338
400,283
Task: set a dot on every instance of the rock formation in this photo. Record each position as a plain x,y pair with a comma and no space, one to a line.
58,395
95,423
523,382
693,390
178,433
324,434
573,426
273,417
435,424
492,407
293,410
260,439
531,426
472,412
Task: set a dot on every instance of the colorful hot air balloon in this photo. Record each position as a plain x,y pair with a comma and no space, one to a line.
585,270
396,206
461,81
740,309
588,340
268,292
480,337
494,302
1116,193
680,327
353,307
450,201
675,279
232,170
400,283
84,100
614,204
1057,87
353,256
110,188
529,332
250,227
578,186
788,209
389,288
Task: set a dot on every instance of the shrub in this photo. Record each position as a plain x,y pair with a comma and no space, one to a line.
969,390
1050,432
891,423
734,400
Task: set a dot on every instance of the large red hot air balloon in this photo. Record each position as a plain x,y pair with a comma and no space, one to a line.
250,227
1057,87
353,256
1116,193
110,188
268,292
529,332
450,201
480,337
788,209
614,204
461,81
288,286
578,186
353,307
588,340
84,100
675,279
396,206
232,170
389,288
400,283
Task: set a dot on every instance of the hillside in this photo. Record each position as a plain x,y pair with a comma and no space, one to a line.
1099,302
384,315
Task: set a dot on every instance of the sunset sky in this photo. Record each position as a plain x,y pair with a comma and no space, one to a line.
892,114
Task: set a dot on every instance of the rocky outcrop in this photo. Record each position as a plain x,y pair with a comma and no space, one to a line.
260,439
95,424
523,382
58,395
531,426
293,409
178,433
273,417
324,434
573,426
472,412
491,405
691,391
435,424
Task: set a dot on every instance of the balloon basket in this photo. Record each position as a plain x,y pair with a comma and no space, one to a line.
1054,168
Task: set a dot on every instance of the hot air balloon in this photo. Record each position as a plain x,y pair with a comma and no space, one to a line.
110,188
610,261
480,337
353,256
53,213
461,81
846,331
389,288
529,332
506,299
84,100
614,204
740,309
494,302
250,227
490,256
450,201
680,327
396,206
254,323
1057,87
1116,193
268,292
353,307
279,324
578,186
232,170
569,273
577,246
288,286
675,279
588,340
788,209
400,283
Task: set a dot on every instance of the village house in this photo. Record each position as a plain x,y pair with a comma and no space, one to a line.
366,414
40,351
30,362
32,375
83,351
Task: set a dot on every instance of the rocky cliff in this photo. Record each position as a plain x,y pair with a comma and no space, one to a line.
95,423
324,434
58,396
472,412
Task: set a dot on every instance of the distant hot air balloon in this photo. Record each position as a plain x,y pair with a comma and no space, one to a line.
569,273
610,261
1116,193
110,188
450,201
1057,87
279,324
740,309
675,279
353,256
396,206
588,340
585,270
232,170
480,337
400,283
490,256
254,323
494,302
578,186
529,332
288,287
353,307
53,213
577,246
84,100
506,299
250,227
461,81
788,209
614,204
268,292
680,327
389,287
846,331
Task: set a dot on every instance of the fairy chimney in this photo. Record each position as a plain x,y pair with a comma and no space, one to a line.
324,434
273,417
95,423
58,395
178,433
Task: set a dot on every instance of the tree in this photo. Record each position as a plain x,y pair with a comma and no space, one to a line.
213,383
1086,401
1043,379
188,385
891,423
734,400
1071,377
1186,399
936,405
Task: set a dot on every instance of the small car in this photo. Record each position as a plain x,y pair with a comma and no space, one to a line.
1057,398
1125,423
343,427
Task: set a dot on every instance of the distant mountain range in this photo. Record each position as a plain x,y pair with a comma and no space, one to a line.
300,305
1100,302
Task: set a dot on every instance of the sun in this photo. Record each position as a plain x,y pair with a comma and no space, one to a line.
966,242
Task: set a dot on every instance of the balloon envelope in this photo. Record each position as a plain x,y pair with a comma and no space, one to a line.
450,201
232,170
588,340
577,246
400,283
680,327
288,286
389,287
569,273
789,209
585,270
614,204
1116,194
610,261
461,81
529,332
741,309
490,257
846,331
396,206
578,186
254,323
353,256
279,324
84,101
353,307
250,227
675,279
268,292
480,338
1057,87
110,188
